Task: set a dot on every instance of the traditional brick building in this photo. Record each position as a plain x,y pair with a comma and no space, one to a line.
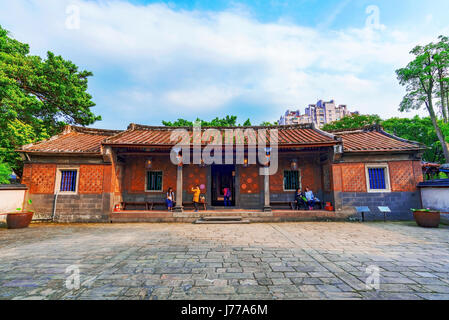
82,174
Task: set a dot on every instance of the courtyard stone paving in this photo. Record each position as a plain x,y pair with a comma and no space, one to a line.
255,261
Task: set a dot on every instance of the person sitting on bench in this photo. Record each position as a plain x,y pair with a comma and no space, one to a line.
300,199
311,199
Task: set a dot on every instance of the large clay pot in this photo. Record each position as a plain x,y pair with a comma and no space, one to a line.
19,220
430,219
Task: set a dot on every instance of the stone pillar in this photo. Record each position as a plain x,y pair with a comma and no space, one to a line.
178,207
266,180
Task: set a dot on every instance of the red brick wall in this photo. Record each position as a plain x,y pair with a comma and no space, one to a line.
404,175
250,180
310,174
40,178
91,179
135,171
351,177
193,175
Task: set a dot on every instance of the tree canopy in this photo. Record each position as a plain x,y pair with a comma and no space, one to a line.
228,121
37,97
426,81
353,121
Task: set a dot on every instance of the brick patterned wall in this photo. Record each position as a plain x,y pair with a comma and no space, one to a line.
402,175
417,171
91,179
250,181
193,175
42,178
135,172
353,177
310,175
336,181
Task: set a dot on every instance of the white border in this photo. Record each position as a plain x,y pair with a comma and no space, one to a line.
58,180
387,177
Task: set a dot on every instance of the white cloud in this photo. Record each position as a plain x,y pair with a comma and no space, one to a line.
181,63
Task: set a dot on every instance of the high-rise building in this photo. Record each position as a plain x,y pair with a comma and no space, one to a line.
321,113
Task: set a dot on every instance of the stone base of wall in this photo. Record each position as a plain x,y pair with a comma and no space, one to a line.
253,216
71,208
399,203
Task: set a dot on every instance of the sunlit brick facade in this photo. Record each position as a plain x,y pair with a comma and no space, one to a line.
133,166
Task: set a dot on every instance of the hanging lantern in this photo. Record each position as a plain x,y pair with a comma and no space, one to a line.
267,155
245,162
148,163
294,164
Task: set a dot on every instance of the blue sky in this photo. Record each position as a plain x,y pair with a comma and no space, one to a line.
163,60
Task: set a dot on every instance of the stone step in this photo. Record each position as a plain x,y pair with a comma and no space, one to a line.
200,221
221,218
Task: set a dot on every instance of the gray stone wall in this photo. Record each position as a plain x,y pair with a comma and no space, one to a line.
400,204
72,208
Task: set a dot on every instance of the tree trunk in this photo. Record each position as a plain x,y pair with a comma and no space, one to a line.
440,134
442,95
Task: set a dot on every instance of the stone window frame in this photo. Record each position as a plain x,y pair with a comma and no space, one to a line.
146,181
387,177
59,170
299,180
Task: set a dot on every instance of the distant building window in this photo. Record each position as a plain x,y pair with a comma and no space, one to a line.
377,178
154,180
291,180
67,180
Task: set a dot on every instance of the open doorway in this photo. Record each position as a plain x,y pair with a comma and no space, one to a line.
223,176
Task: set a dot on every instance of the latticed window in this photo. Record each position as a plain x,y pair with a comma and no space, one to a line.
68,181
154,180
377,178
291,180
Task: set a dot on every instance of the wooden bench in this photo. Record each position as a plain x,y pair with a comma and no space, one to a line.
292,204
185,204
203,204
145,204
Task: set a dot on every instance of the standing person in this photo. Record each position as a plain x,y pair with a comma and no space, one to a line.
227,195
311,199
170,199
196,196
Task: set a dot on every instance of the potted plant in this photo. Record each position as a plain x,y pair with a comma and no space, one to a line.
426,218
19,219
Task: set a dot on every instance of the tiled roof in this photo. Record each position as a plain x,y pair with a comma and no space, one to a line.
86,140
72,140
160,136
374,139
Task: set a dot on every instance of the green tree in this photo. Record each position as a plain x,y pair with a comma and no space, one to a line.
420,130
228,121
353,121
37,97
5,172
421,78
268,124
